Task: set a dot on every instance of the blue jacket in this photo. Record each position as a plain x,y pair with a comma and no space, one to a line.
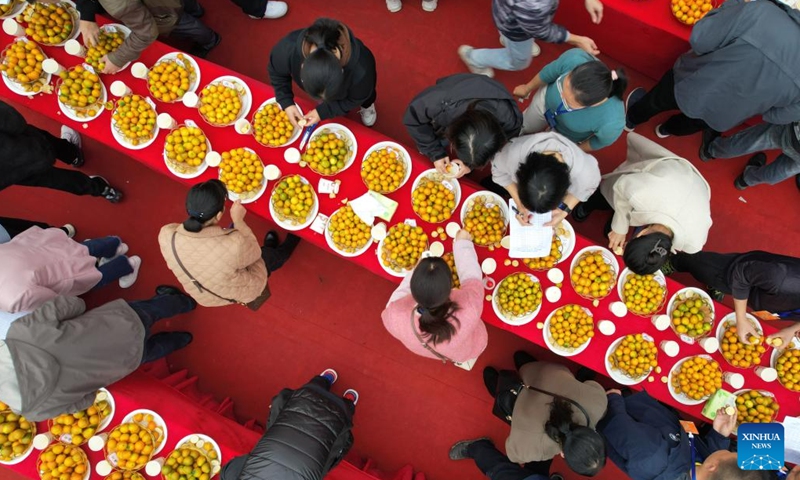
645,440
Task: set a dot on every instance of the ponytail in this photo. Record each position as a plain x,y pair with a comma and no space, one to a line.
203,202
559,425
324,34
594,82
583,448
619,83
322,75
192,224
431,283
436,322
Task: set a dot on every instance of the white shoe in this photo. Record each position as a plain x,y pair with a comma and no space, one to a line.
122,249
368,115
659,134
275,9
71,136
70,229
394,6
463,53
128,280
430,5
535,49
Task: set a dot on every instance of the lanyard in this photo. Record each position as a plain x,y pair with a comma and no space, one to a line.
694,453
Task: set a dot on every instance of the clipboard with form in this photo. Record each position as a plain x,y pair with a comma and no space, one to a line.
530,241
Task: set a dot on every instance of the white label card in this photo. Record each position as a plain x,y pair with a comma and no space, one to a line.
319,223
410,222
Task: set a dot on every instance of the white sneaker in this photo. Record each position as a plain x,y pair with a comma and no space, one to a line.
661,134
430,5
275,9
394,6
368,115
71,136
122,249
535,49
463,53
128,280
70,229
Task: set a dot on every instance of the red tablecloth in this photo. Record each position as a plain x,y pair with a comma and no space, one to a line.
223,139
183,417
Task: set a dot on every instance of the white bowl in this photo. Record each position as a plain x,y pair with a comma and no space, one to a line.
670,305
201,169
679,397
69,112
404,157
764,393
235,196
26,453
449,183
607,256
124,141
568,241
13,86
245,96
342,132
730,320
556,349
203,437
617,375
76,20
329,240
288,225
623,277
295,133
111,403
386,269
497,199
776,354
515,321
19,7
194,84
157,419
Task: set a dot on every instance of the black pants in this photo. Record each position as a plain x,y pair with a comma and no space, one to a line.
708,268
191,28
321,385
497,466
156,309
256,8
371,100
661,98
15,226
596,202
276,257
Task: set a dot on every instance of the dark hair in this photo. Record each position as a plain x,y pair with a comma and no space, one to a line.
204,201
592,82
543,182
729,470
321,73
647,253
431,284
475,137
584,449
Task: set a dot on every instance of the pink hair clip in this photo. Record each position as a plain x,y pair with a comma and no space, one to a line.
614,75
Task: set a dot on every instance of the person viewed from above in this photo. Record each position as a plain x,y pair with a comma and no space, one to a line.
220,266
55,358
497,466
544,172
462,122
11,227
331,65
395,6
40,264
766,282
308,434
758,44
551,412
28,155
147,19
764,136
521,23
435,318
646,442
663,194
258,9
579,97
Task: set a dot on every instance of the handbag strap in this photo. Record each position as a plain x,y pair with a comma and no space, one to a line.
422,341
561,397
194,280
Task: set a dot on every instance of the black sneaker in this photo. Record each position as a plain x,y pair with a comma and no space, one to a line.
459,450
271,240
521,358
556,476
758,160
580,214
109,193
168,290
633,97
739,183
585,374
668,268
709,136
491,377
202,52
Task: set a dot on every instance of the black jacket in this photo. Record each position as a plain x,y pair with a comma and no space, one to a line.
358,84
24,149
434,109
308,434
769,281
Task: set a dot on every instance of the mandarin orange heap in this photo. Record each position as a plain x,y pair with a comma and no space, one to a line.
169,80
690,12
22,64
187,463
82,425
635,356
328,152
126,475
518,295
16,434
220,105
6,9
107,42
571,327
403,246
755,407
691,315
186,149
348,232
81,90
49,24
485,221
132,444
432,200
697,378
62,462
788,367
450,259
383,170
271,126
242,172
593,277
643,294
135,119
293,199
738,354
548,262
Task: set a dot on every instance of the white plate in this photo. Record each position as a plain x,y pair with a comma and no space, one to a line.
558,350
776,354
287,225
100,106
76,20
111,403
453,182
235,196
173,56
679,397
14,87
27,452
295,134
124,141
517,321
329,239
623,277
609,257
245,98
19,7
110,27
201,169
568,241
730,319
386,269
696,291
340,131
617,375
404,156
495,199
156,418
204,438
764,393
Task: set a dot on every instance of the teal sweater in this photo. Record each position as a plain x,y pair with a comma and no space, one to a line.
602,124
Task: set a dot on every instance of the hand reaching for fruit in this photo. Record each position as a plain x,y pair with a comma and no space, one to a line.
109,67
238,212
784,337
595,9
294,115
616,241
312,117
89,33
584,43
463,234
746,330
724,423
441,165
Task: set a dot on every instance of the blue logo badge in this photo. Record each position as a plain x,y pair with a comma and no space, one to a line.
760,446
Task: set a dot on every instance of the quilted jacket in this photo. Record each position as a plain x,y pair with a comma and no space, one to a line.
226,262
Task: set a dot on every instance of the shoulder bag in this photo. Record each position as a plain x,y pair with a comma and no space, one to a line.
509,386
253,305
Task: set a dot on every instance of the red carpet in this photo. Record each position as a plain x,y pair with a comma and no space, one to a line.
326,312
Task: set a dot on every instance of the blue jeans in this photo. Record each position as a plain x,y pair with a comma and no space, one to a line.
764,136
497,466
514,56
158,308
115,269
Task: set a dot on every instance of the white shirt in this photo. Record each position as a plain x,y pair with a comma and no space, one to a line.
9,386
6,319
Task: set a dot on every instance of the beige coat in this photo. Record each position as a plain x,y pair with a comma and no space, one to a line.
656,186
225,261
147,19
528,441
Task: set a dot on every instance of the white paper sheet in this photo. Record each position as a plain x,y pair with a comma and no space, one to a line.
530,241
791,432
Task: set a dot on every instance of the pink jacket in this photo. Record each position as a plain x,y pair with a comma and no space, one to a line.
38,265
471,338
